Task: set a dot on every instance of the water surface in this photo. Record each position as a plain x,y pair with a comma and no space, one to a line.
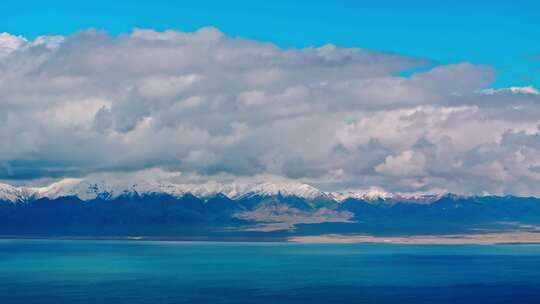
54,271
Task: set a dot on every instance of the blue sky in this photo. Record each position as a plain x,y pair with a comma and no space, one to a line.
503,34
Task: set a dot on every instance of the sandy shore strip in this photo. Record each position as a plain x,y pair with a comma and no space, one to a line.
481,239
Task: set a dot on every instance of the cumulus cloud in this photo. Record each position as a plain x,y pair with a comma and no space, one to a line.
211,104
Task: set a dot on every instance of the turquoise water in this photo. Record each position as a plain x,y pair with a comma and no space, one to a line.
51,271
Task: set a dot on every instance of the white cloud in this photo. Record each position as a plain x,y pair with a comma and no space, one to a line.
514,90
408,163
209,104
10,43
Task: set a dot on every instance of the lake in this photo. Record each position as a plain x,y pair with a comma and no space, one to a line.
82,271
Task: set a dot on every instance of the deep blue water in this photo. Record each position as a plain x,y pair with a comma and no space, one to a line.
51,271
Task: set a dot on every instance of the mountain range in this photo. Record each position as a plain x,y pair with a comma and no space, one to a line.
84,207
89,189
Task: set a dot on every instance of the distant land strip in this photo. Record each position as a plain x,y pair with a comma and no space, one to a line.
451,239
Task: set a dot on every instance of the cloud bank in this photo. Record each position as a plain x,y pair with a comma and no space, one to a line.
209,104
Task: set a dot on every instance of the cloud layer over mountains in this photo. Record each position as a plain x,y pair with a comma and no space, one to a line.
211,105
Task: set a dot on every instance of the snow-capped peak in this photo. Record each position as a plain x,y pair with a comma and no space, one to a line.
88,189
284,189
13,194
91,188
379,194
370,194
109,188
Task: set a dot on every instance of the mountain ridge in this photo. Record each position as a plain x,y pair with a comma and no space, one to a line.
127,207
75,208
91,189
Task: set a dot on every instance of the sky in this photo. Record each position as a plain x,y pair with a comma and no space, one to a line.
499,33
409,96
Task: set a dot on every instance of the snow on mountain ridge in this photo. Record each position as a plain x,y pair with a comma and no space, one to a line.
286,189
13,194
379,194
91,189
88,189
373,193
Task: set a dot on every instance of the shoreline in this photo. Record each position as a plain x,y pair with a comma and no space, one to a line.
500,238
506,238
